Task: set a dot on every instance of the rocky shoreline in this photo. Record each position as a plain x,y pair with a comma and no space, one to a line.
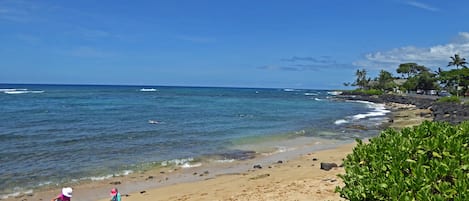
453,113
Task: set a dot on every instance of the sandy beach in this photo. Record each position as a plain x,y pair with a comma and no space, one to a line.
295,176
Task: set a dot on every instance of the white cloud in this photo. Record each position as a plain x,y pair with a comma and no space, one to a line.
422,6
435,56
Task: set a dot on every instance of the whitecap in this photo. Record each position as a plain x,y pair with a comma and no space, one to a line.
148,90
310,94
340,121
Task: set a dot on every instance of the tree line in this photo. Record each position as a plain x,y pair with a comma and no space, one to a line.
415,77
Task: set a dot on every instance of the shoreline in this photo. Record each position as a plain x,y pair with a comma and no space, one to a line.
184,183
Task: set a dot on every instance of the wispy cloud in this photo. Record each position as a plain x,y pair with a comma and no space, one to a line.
298,63
435,56
18,11
93,33
90,52
421,5
196,39
322,59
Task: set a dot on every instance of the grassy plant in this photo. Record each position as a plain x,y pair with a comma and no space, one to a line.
426,162
453,99
367,92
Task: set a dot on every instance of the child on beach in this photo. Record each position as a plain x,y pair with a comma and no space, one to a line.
116,196
66,195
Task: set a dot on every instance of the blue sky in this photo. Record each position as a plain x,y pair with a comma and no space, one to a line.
316,44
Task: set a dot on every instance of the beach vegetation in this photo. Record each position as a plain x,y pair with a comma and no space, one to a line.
384,81
449,99
425,162
457,61
362,81
417,78
367,92
459,78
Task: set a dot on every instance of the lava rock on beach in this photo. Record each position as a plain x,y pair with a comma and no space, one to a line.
328,166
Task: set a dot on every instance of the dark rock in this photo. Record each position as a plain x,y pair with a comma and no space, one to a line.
357,127
149,177
206,172
142,192
280,161
257,166
115,183
315,159
328,166
453,113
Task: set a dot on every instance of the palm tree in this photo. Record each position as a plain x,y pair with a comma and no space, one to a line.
457,61
362,81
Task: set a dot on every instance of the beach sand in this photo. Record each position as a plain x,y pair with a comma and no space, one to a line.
279,178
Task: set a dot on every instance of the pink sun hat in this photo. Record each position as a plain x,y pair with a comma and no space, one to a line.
113,192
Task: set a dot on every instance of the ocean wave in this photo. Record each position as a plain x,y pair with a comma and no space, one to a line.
378,110
148,90
310,94
20,91
189,165
100,178
177,162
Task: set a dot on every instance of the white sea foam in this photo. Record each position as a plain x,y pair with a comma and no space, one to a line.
378,110
225,160
310,94
289,90
100,178
177,162
148,89
334,93
340,121
189,165
19,91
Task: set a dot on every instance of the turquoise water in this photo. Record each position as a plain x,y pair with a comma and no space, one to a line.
55,134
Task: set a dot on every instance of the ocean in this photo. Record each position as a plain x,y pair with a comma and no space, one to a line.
52,135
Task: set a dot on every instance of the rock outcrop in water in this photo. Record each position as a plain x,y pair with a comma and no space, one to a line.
453,113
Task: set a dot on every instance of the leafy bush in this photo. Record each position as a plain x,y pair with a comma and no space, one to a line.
453,99
426,162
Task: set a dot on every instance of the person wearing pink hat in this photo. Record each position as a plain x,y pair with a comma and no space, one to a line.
116,196
66,195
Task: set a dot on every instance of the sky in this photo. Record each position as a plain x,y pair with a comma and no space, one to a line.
308,44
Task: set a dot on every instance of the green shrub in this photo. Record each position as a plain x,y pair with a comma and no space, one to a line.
426,162
366,92
453,99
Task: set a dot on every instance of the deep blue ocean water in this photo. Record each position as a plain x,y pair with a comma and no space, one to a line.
54,134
